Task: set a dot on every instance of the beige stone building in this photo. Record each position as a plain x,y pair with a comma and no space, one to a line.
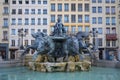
4,26
75,14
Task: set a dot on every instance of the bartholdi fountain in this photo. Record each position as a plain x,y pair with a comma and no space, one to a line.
59,51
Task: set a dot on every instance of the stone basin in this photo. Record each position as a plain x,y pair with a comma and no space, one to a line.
60,67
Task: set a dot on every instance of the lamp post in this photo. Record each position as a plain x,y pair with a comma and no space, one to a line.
21,34
94,33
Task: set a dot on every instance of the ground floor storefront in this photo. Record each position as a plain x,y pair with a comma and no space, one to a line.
108,54
4,51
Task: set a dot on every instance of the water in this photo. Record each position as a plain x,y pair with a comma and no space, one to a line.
22,73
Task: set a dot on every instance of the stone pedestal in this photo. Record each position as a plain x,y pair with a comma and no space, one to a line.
18,54
27,59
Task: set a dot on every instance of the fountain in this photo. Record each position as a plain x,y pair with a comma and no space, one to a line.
59,51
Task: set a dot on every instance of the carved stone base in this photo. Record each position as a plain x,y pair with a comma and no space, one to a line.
18,54
60,67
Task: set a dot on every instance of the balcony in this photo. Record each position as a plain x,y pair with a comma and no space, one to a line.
5,39
111,36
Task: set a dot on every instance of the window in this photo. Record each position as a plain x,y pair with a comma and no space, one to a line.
39,11
99,20
66,28
99,9
107,10
19,11
39,21
6,1
52,18
44,11
33,2
60,7
93,9
13,11
100,30
26,11
19,21
100,41
13,32
107,20
86,28
94,21
5,35
26,21
79,18
93,1
5,22
99,1
44,21
113,9
26,42
79,28
107,30
73,7
26,31
13,21
20,1
12,42
66,18
73,18
52,7
39,1
73,29
108,43
86,18
66,7
112,1
86,7
33,21
113,43
27,2
6,11
107,1
32,31
113,21
44,2
13,1
80,7
114,30
32,11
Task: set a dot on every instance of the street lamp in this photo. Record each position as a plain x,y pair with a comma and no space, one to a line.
94,33
21,34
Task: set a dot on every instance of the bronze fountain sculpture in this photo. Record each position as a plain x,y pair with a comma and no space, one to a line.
59,51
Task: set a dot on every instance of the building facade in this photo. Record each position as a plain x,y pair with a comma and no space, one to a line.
89,15
29,15
4,26
75,14
104,20
118,29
